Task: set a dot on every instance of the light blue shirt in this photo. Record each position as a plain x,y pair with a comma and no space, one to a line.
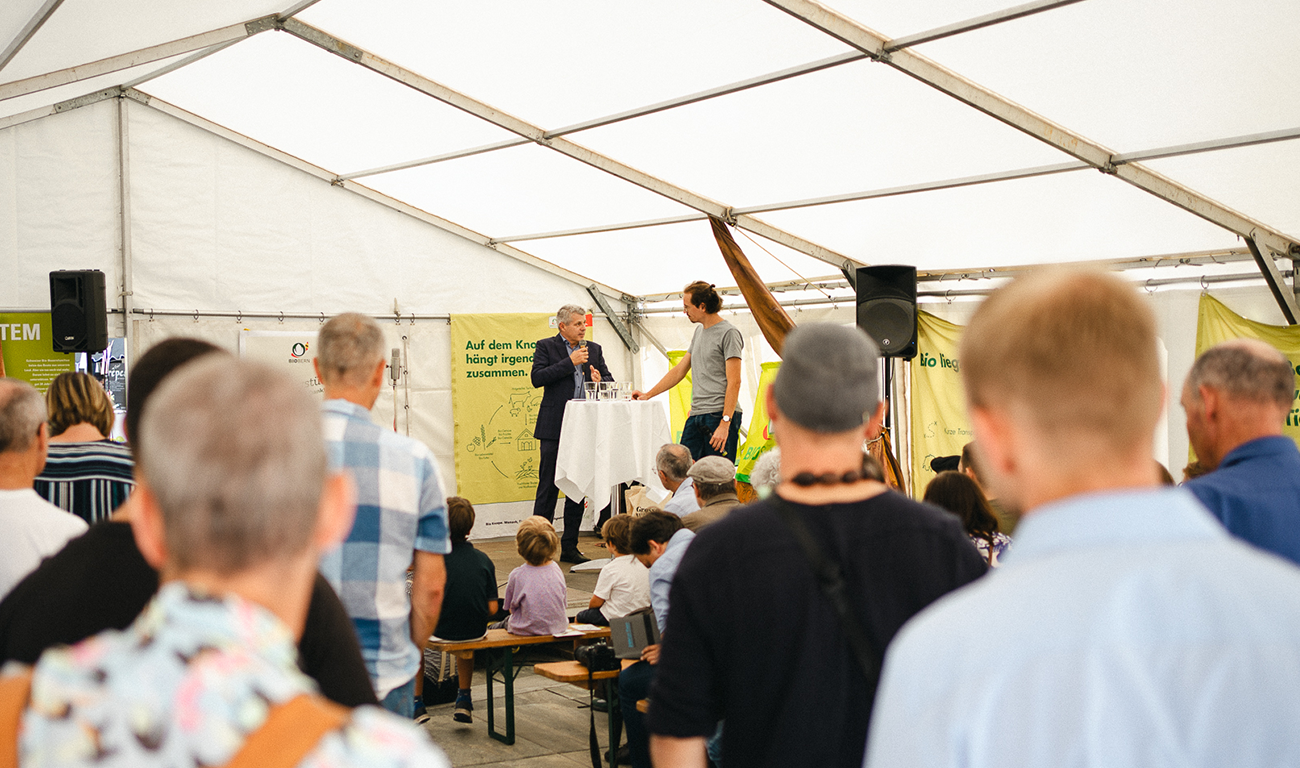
662,572
1123,629
683,500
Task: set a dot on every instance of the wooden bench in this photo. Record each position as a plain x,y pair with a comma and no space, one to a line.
503,640
574,673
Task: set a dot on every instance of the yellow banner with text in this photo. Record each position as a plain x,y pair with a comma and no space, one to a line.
940,426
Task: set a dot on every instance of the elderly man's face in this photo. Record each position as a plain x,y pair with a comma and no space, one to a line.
574,330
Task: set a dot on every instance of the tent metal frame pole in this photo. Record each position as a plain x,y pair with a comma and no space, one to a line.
1000,108
979,22
28,31
624,332
232,33
1282,293
366,192
465,103
124,214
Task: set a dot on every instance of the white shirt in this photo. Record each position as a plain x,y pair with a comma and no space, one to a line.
624,585
683,501
31,529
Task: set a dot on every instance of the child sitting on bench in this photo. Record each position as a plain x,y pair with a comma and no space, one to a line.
624,583
536,595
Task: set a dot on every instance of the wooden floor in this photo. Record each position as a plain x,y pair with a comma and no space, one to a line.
551,718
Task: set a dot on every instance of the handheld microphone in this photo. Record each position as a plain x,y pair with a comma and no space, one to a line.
395,366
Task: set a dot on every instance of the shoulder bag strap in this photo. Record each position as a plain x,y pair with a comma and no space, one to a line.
830,577
15,692
291,731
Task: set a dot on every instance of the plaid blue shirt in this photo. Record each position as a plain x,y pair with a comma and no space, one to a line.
400,508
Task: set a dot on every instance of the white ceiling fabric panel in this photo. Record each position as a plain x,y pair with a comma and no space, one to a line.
1138,75
1078,216
82,31
851,128
524,190
665,258
299,99
557,64
1247,179
15,15
218,226
58,202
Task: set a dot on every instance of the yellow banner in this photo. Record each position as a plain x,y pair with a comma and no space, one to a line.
760,438
495,404
679,397
26,341
940,426
1216,323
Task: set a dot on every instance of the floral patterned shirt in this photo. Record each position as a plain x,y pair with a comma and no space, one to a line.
184,686
992,553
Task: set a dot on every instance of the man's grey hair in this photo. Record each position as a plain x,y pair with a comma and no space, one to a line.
1245,369
767,470
566,313
22,412
674,460
349,347
234,455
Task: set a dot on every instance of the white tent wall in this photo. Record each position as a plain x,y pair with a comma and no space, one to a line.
218,227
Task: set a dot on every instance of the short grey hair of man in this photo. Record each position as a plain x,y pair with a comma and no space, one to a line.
234,455
566,313
1245,369
674,460
767,470
349,347
22,412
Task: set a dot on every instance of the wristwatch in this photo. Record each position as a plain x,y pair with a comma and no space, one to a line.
726,419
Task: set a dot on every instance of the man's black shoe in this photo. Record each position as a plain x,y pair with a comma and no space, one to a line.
623,755
600,705
573,556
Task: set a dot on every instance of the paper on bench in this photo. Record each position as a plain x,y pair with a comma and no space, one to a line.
584,628
571,632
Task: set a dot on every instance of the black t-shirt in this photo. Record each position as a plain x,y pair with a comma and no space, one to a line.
471,583
754,640
100,581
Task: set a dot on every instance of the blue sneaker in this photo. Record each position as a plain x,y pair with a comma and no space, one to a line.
464,708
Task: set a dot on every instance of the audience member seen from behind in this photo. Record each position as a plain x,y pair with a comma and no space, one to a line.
30,527
624,583
714,484
536,595
673,463
960,495
1129,628
766,474
468,601
101,581
1238,396
234,505
659,540
85,472
755,640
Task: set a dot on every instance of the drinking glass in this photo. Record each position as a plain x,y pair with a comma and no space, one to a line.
589,390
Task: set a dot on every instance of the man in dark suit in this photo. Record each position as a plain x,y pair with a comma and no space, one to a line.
562,364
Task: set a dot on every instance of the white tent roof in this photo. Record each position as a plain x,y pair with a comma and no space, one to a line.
908,162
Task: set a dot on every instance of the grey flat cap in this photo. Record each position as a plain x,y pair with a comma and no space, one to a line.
827,382
712,469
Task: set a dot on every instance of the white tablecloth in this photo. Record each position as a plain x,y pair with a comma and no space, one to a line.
606,442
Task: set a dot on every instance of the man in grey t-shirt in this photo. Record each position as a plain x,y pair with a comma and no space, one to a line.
713,427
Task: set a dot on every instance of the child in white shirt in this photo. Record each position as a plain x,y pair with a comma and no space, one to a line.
624,583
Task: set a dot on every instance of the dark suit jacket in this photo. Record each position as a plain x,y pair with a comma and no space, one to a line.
553,370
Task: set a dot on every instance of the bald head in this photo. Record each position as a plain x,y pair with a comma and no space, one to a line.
1237,391
674,460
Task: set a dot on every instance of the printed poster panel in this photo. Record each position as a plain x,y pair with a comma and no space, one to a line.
940,426
495,404
287,350
26,342
760,438
679,397
1216,323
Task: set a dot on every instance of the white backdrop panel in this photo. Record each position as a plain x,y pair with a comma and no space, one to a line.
58,203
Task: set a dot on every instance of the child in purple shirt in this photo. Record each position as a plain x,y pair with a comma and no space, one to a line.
536,595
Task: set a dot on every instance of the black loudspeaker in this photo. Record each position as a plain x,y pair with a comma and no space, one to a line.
887,308
78,310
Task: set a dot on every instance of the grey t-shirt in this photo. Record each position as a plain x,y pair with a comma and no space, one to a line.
710,350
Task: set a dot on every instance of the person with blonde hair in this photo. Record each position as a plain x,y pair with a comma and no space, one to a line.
1126,627
536,595
85,472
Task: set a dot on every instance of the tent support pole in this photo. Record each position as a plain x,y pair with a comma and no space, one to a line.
28,31
624,332
1000,108
124,214
1286,299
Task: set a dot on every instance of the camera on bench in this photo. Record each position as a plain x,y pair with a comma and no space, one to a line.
597,657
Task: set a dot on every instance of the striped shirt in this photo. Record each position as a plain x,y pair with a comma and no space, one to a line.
89,480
